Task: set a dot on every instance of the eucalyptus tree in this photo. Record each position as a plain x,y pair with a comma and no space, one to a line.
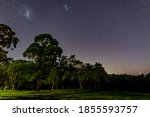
74,65
8,40
44,51
84,74
19,73
53,78
3,77
101,76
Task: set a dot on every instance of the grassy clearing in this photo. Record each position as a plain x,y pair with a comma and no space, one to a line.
73,94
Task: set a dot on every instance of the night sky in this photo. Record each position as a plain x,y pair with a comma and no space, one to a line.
115,33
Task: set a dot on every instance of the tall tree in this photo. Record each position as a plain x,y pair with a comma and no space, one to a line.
84,73
102,76
74,65
45,52
8,40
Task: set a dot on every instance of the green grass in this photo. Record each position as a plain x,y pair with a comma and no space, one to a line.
72,94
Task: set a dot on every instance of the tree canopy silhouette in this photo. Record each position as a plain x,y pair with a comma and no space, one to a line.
45,48
45,52
8,40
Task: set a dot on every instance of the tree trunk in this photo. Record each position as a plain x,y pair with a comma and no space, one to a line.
81,86
52,88
56,86
37,85
13,86
13,82
95,86
62,86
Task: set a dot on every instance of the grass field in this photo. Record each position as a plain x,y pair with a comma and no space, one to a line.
72,94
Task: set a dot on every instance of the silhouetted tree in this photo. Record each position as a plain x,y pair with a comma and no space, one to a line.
45,52
8,40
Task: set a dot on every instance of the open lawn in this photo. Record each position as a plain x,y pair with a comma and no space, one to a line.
72,94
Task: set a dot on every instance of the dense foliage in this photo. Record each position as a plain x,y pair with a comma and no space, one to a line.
8,40
48,68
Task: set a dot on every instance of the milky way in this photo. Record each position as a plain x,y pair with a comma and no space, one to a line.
25,11
66,5
115,33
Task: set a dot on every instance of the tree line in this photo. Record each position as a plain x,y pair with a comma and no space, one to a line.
47,68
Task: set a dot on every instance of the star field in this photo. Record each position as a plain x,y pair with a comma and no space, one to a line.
115,33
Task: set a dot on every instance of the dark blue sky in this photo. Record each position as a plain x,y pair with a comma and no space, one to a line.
115,33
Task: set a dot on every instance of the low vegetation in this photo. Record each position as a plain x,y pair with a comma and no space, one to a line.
73,94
